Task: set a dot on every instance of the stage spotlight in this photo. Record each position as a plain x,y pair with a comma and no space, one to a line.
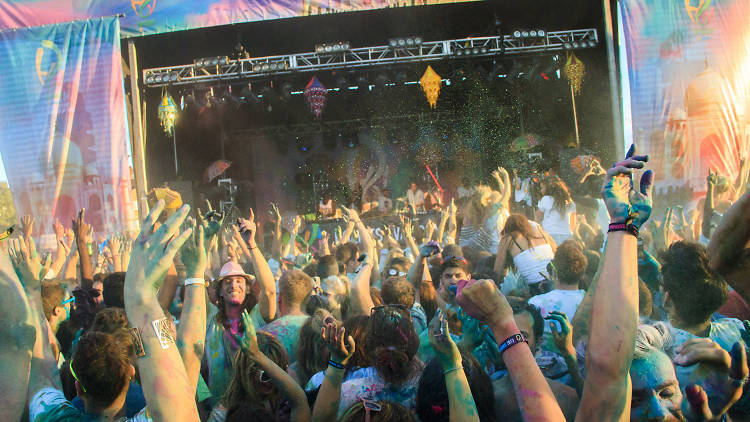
524,34
541,32
404,42
575,44
517,34
338,47
567,46
591,43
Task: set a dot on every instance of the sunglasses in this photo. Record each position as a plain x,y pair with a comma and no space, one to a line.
68,300
394,272
401,309
454,257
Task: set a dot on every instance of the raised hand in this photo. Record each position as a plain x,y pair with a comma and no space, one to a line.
249,342
340,345
193,252
452,207
211,221
472,331
26,263
663,234
154,251
27,226
712,178
564,335
275,212
59,230
440,339
482,300
351,214
115,244
720,376
81,230
247,229
624,203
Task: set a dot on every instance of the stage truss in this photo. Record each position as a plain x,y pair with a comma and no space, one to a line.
227,70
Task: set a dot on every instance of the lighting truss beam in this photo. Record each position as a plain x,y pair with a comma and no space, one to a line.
265,67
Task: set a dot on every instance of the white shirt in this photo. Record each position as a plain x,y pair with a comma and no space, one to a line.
565,301
415,198
554,222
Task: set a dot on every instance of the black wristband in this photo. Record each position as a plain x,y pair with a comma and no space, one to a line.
512,341
623,227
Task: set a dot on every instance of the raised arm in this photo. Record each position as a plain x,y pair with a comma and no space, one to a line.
564,342
263,272
168,392
82,233
460,400
728,247
483,301
300,411
191,332
27,363
341,349
276,247
607,392
708,205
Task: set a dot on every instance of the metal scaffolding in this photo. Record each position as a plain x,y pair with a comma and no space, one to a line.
225,70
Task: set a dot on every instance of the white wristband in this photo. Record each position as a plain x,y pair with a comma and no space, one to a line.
190,281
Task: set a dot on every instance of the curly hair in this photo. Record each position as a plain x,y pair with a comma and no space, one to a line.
391,344
695,290
246,385
570,263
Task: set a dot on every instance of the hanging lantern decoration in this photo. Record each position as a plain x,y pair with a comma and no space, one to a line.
316,95
430,83
574,70
167,113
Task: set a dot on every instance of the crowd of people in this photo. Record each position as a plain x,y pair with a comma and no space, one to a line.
503,308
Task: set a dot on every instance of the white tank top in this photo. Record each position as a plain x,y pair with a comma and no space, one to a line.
533,261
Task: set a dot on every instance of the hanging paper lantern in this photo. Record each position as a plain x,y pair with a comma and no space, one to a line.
574,70
167,113
316,95
430,82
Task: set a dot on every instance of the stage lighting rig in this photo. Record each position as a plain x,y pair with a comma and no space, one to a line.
210,61
405,42
472,50
338,47
161,77
533,33
270,66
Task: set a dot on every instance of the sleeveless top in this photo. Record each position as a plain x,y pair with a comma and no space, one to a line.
532,263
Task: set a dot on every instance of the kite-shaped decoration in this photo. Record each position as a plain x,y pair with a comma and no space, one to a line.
430,83
316,95
215,169
167,113
574,70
